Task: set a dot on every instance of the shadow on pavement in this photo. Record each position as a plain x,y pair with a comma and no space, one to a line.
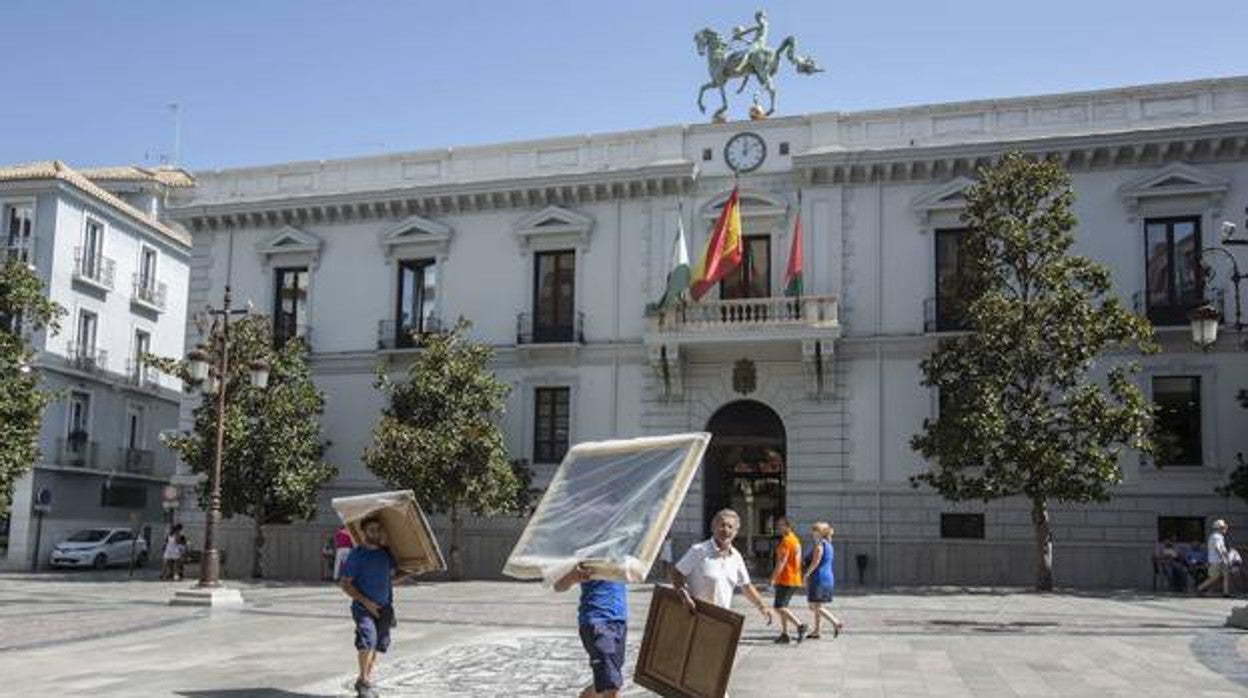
249,693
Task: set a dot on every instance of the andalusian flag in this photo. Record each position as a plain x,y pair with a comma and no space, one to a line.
793,272
678,274
723,249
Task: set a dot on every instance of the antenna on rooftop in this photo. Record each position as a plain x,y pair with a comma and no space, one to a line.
176,109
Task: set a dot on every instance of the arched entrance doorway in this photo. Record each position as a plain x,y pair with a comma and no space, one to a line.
746,470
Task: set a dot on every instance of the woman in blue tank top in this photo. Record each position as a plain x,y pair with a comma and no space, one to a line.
820,580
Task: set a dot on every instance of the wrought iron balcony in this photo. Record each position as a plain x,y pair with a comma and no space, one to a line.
149,292
1175,314
96,270
137,460
530,332
142,375
87,358
77,452
748,317
392,334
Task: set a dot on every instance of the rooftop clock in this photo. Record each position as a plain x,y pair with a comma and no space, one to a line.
745,152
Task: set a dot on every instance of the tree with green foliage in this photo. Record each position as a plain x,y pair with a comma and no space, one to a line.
271,466
1023,412
1237,483
439,435
24,307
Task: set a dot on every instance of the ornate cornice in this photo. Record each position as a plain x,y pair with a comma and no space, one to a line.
1131,148
567,190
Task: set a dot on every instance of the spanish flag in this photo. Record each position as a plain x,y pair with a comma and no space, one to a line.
723,249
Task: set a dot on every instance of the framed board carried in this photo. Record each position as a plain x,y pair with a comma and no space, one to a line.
408,534
683,654
609,506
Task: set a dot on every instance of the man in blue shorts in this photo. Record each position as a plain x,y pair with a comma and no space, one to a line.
367,576
603,619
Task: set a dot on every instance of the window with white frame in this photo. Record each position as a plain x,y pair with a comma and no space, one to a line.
19,229
147,268
552,416
142,347
92,251
84,343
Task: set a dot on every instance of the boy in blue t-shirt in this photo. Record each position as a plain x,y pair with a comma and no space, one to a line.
367,576
603,618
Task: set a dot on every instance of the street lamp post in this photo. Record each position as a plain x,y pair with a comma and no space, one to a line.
1205,319
212,378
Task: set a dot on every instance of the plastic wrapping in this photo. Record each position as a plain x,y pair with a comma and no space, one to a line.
609,505
408,535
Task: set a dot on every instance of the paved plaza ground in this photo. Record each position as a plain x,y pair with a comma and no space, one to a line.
102,634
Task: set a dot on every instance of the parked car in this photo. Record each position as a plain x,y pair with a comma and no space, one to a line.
99,548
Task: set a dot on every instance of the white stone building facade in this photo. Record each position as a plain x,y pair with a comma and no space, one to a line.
94,238
554,248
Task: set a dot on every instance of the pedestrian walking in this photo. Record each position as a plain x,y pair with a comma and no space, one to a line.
786,580
713,569
1219,560
342,547
368,576
820,579
179,563
171,553
602,620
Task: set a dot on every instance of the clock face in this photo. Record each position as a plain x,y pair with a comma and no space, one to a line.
744,152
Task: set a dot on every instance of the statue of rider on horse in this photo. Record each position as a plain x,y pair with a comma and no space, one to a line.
737,58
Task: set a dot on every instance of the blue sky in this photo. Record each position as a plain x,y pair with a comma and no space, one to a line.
272,81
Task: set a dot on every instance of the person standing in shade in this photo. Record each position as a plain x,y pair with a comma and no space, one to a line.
713,569
820,580
171,554
1219,560
342,548
786,579
368,577
602,617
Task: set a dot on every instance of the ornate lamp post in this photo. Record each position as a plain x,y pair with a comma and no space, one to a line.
1205,318
212,379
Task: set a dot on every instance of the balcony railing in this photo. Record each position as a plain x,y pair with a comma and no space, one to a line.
1175,314
392,334
529,332
87,358
142,375
77,453
23,250
93,269
137,460
748,315
149,292
937,319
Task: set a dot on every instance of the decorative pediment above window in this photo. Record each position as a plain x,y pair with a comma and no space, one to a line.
293,243
942,205
554,226
417,236
754,205
1174,182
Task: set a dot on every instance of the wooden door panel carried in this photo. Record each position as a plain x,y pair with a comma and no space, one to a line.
687,655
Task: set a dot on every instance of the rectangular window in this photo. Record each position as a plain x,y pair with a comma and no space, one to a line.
1177,427
19,230
554,297
142,347
134,427
147,268
86,334
961,525
1181,529
1172,269
290,311
950,280
416,302
752,279
92,249
552,415
123,496
79,426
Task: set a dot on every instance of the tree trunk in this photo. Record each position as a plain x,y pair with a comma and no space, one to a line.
457,545
257,559
1044,544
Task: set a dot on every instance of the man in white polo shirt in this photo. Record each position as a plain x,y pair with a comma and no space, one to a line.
713,569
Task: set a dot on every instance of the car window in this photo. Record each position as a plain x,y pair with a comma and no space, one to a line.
90,535
120,536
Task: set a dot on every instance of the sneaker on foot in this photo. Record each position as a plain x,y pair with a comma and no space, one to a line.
783,639
813,636
801,633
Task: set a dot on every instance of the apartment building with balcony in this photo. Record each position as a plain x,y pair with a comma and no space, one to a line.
95,239
554,250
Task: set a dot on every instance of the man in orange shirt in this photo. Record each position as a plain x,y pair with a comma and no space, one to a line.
786,579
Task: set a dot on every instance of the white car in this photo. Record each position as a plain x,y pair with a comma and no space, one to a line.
99,548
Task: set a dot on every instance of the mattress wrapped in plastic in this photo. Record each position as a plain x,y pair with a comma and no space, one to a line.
609,506
407,532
